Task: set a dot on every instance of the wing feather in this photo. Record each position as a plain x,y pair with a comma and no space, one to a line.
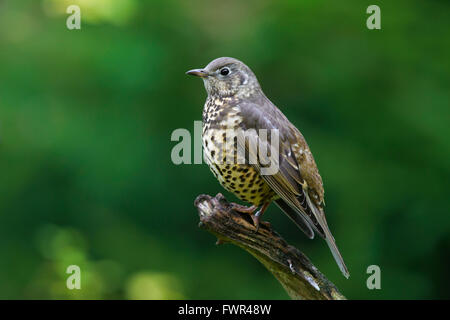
297,181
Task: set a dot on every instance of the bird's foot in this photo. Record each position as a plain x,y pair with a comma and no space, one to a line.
256,217
243,209
257,221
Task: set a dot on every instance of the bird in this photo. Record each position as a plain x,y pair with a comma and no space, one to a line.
235,101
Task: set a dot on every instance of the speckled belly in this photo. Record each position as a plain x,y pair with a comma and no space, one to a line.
241,179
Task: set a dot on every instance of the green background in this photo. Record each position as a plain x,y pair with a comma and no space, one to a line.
86,118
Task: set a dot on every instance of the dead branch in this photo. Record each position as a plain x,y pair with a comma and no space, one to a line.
298,276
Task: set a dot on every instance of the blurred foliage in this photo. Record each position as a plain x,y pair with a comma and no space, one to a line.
85,123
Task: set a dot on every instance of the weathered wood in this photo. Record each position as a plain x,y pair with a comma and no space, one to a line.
298,276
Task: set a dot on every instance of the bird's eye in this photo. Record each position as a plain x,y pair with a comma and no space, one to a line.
224,71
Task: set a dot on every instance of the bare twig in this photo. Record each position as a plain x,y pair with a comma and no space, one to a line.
298,276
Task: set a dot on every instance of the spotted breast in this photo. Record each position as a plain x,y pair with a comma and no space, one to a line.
220,153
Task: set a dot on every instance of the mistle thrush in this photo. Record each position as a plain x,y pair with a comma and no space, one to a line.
235,101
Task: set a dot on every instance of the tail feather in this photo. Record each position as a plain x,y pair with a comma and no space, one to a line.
320,216
297,215
335,251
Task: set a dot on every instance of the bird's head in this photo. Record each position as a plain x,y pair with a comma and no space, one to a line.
227,77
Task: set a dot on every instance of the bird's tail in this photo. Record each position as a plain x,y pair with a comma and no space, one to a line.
304,223
335,251
320,217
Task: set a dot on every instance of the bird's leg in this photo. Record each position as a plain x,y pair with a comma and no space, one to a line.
243,209
257,216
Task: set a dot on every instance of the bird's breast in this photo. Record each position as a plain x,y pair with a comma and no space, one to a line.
220,119
221,113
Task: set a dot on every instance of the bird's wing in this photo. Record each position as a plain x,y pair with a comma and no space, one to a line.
297,181
296,218
289,182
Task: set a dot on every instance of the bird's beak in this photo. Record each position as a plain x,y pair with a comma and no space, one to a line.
198,73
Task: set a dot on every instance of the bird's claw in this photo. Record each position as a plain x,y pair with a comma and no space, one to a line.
255,218
243,209
257,221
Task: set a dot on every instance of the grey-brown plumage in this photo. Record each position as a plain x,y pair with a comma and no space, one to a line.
236,101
